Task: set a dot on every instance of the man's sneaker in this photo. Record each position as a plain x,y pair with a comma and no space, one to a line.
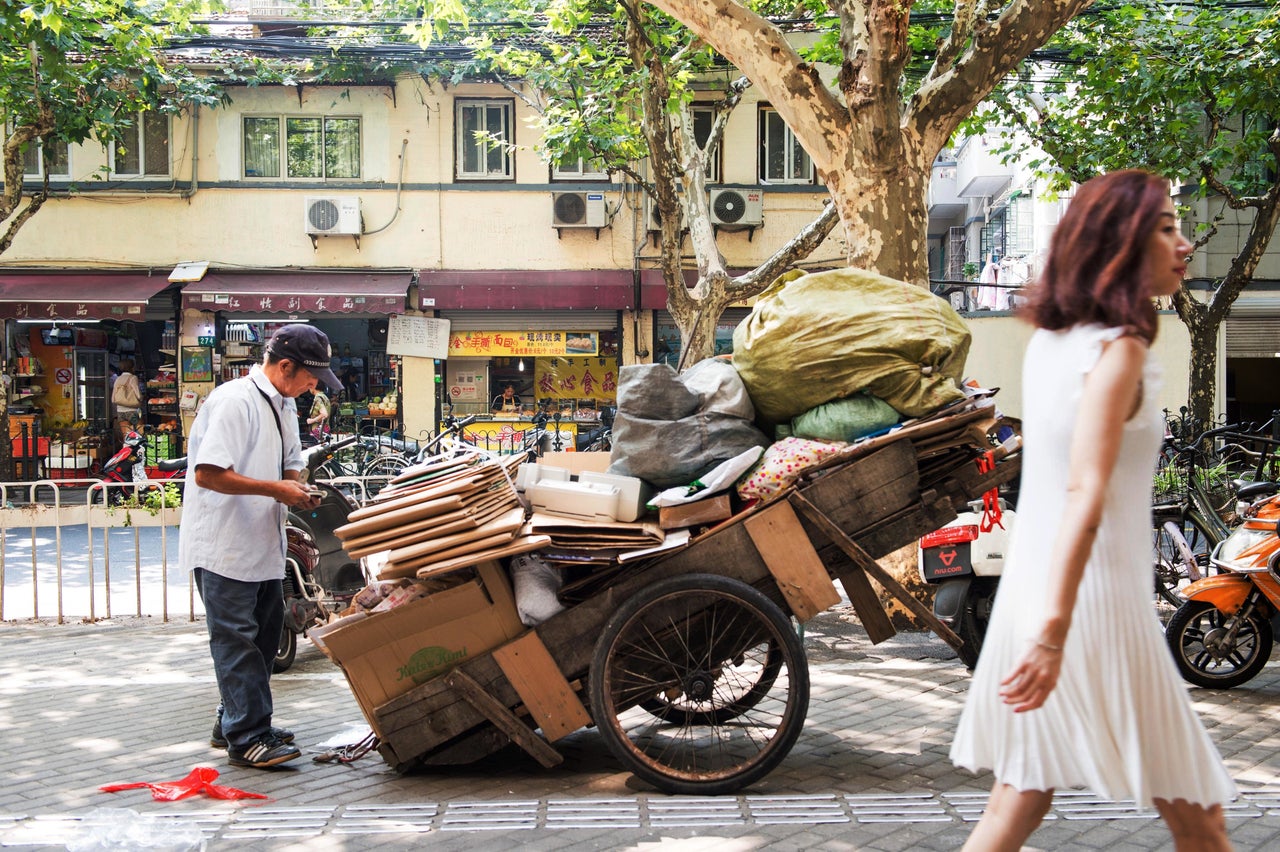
265,751
217,740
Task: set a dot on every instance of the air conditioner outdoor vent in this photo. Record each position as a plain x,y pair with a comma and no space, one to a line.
743,208
653,217
333,214
578,210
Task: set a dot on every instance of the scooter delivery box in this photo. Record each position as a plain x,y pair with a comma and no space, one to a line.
389,653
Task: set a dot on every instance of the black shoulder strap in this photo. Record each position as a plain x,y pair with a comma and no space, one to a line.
279,426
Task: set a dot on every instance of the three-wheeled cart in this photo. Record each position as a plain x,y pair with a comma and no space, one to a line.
689,663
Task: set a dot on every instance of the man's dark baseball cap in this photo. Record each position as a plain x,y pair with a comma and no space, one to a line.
308,347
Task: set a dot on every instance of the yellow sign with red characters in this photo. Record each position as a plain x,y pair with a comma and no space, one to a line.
576,378
526,344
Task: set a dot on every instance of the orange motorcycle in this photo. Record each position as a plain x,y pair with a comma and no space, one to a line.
1223,635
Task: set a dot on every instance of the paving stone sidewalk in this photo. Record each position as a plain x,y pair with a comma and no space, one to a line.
83,705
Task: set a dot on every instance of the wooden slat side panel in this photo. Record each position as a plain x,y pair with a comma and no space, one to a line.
545,691
782,544
503,718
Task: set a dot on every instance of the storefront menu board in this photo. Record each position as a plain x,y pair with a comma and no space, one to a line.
423,337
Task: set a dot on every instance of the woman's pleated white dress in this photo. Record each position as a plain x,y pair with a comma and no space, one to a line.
1120,721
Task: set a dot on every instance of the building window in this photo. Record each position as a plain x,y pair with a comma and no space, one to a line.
143,149
315,147
485,138
703,118
782,160
580,169
42,158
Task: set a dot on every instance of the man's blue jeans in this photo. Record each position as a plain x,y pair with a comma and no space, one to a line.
244,620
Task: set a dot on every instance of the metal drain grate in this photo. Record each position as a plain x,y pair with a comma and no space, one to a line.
805,810
593,813
566,814
906,807
490,816
278,823
386,819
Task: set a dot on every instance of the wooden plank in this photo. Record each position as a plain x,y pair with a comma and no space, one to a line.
791,559
866,602
540,684
503,718
869,565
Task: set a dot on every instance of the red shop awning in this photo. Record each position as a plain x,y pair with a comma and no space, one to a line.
299,292
78,295
520,289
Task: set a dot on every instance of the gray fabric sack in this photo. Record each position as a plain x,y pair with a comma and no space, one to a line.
672,428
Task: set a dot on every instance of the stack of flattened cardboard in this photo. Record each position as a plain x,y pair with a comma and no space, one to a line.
442,515
592,542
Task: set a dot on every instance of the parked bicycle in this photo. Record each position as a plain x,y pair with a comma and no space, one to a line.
1198,495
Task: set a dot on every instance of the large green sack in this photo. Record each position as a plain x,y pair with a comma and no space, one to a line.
814,338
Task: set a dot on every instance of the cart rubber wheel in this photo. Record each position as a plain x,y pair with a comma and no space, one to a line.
727,657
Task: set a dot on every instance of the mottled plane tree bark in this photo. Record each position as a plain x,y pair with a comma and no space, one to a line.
872,136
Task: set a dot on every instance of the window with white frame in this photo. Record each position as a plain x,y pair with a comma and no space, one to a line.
484,138
782,160
42,158
580,169
142,149
317,147
703,119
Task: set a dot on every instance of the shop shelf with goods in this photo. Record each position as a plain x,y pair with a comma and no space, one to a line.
162,399
381,378
28,385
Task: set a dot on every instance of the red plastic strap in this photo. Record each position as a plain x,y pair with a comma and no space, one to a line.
991,513
200,780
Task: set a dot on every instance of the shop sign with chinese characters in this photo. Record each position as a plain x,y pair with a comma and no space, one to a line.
526,344
576,378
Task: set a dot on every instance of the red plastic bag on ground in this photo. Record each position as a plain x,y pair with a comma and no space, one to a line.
200,780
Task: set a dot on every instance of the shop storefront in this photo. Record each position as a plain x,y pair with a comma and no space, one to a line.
508,369
529,343
66,336
229,316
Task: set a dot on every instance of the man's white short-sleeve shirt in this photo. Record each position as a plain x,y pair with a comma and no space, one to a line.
240,536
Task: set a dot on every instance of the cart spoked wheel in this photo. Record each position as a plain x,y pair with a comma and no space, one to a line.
742,682
699,684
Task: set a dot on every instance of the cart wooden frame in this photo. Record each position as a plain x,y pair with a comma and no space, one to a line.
830,527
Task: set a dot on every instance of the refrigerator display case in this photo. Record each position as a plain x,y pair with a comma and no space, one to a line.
93,389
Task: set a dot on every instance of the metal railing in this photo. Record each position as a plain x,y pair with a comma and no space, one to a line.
70,548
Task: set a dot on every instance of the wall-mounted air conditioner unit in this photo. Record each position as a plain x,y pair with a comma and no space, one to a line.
578,210
653,220
332,214
742,208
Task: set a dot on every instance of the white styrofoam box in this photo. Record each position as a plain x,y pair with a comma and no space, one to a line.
633,492
586,500
79,462
527,474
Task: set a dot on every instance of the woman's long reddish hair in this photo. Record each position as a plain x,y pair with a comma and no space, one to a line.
1095,272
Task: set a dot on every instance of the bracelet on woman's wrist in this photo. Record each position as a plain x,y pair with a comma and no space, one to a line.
1047,646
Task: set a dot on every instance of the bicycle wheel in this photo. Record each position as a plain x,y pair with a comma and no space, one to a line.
380,469
707,640
1175,565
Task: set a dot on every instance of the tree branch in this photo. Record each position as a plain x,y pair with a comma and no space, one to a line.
947,97
761,51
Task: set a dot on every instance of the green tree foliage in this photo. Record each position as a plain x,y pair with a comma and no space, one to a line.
71,70
612,84
1188,91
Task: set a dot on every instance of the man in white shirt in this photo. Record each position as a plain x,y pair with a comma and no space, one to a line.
245,457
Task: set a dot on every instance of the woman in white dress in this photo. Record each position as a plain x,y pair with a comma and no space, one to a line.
1075,687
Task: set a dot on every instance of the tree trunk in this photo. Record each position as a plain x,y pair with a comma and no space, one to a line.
885,215
1202,324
